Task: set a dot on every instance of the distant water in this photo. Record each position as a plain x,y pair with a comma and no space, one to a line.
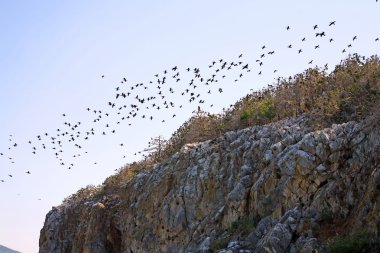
4,249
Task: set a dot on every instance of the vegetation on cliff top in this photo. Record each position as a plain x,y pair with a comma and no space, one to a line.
350,92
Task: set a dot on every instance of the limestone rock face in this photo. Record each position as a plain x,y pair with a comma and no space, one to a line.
273,188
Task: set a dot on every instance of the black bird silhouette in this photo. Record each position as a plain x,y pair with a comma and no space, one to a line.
354,38
332,23
102,76
321,34
288,27
28,172
315,27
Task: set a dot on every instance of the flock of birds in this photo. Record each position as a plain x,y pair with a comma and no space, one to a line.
127,105
134,101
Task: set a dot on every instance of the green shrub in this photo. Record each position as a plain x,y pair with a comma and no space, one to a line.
244,225
266,109
218,243
326,214
358,242
260,111
246,114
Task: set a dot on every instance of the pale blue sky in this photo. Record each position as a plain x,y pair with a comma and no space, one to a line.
52,54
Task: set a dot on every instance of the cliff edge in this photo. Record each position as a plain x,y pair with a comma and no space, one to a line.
280,187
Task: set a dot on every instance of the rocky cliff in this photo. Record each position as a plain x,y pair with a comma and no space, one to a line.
281,187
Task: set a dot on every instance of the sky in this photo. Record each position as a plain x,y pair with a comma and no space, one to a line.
53,55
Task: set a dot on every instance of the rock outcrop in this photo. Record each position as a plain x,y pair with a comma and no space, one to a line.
281,187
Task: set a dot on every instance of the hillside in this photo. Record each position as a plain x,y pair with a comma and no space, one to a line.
4,249
292,168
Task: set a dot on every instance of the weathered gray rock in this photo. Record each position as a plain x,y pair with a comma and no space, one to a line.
287,177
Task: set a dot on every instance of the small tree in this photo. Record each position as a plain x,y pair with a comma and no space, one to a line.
156,146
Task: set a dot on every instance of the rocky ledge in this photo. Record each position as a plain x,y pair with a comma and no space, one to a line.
281,187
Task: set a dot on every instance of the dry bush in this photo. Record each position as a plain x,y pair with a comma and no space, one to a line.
125,174
82,194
